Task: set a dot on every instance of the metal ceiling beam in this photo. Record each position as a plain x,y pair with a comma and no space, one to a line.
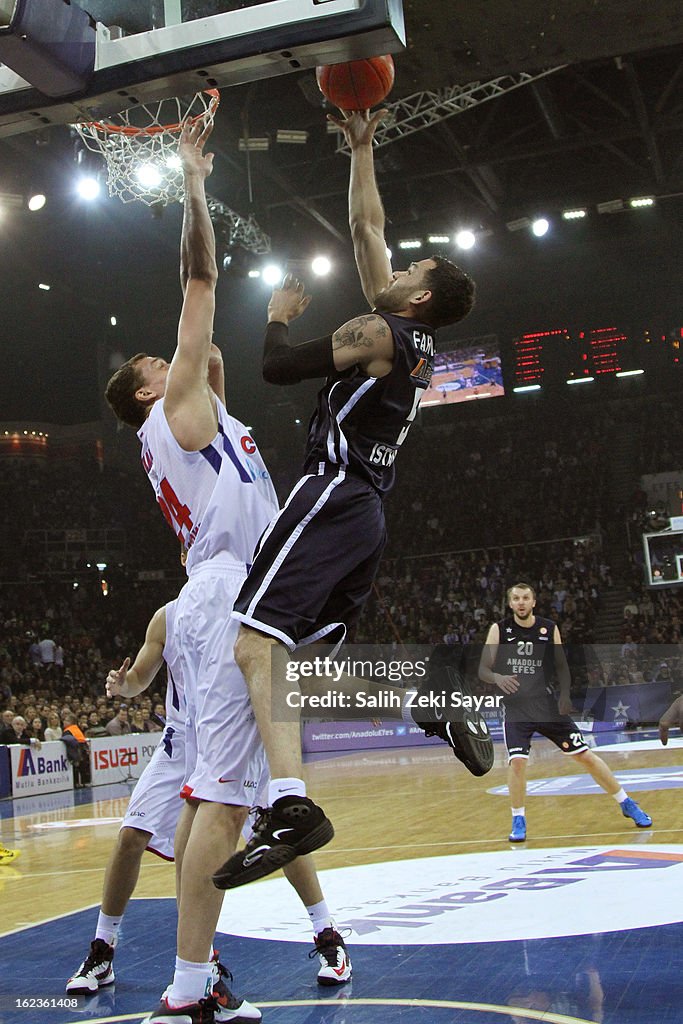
604,96
668,89
473,173
424,109
643,120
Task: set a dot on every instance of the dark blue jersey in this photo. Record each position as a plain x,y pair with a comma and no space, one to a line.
360,421
527,652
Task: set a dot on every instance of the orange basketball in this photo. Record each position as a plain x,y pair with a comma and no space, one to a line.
357,84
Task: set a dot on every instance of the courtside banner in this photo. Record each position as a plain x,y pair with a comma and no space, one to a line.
40,771
5,773
118,758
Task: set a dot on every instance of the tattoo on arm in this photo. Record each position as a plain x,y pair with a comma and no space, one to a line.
356,337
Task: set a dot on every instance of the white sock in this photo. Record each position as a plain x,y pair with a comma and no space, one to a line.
518,812
620,796
406,712
108,928
320,916
191,982
285,787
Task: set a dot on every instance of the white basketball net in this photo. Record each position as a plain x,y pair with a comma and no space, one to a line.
140,147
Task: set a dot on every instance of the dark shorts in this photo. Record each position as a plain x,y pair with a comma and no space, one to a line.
314,566
561,729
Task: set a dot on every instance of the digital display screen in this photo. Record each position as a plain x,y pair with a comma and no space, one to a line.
471,371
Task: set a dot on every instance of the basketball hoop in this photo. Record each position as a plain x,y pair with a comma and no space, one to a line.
140,147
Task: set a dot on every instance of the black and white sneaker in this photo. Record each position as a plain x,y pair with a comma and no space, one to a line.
294,825
201,1012
335,963
96,971
230,1009
448,711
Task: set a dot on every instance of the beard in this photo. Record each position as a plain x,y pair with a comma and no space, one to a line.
392,299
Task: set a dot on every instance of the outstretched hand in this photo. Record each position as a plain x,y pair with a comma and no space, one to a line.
116,680
289,301
671,719
193,138
359,126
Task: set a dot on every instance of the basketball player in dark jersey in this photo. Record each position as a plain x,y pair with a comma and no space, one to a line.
316,562
522,656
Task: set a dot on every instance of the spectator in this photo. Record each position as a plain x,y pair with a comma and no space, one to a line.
21,732
54,729
159,716
37,730
119,725
77,751
7,734
47,649
138,722
95,727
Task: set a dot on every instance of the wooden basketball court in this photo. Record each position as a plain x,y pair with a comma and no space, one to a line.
418,807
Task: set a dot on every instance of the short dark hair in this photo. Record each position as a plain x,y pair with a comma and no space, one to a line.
453,293
523,585
120,393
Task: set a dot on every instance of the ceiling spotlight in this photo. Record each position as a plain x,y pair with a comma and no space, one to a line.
439,239
573,214
580,380
88,188
173,162
112,321
641,201
410,243
465,239
540,227
36,202
148,175
321,266
271,274
254,273
389,253
44,287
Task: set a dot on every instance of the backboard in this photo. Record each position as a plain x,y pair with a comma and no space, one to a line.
152,49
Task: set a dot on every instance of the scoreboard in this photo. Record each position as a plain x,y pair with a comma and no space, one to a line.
562,354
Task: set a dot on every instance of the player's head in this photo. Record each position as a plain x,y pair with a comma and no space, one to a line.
521,598
434,290
135,387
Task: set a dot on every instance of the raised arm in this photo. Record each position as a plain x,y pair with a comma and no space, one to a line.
188,404
364,341
366,213
129,681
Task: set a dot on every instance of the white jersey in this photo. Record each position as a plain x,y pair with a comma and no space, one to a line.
175,691
218,500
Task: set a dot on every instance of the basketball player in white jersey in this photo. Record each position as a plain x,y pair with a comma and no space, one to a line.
152,815
214,490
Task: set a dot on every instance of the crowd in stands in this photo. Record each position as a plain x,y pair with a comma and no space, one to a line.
57,645
454,598
479,501
519,482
